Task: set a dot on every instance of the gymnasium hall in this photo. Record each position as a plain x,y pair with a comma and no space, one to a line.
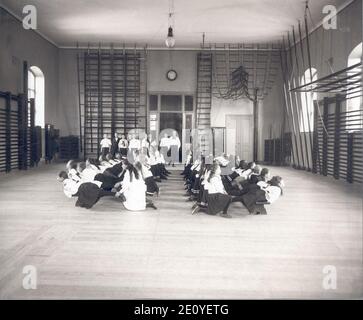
179,149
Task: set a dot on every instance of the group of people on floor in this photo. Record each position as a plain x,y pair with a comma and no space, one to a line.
212,183
213,186
116,176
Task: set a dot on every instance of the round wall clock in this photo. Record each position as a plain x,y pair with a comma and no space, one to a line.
171,75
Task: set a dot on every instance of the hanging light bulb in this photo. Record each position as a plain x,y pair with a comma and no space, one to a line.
170,40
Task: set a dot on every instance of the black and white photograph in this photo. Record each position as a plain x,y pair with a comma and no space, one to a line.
181,150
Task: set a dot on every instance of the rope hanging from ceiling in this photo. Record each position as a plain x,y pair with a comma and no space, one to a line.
236,79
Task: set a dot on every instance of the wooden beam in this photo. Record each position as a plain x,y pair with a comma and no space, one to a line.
337,129
325,138
255,126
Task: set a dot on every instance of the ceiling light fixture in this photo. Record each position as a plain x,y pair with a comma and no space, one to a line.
170,40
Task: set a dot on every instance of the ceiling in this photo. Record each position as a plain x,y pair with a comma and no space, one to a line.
66,22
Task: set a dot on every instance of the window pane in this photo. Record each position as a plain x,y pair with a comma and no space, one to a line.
153,122
31,94
188,121
153,102
31,80
306,122
171,103
188,103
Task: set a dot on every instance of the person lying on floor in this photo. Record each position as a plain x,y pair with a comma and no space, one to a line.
265,192
237,171
238,176
224,160
195,186
148,171
160,160
192,175
111,159
87,193
246,173
71,168
155,167
201,199
133,189
88,173
243,187
116,169
218,200
188,164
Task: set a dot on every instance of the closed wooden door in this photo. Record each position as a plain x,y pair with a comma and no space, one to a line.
239,136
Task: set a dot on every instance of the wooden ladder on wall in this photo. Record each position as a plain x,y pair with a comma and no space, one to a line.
204,100
112,94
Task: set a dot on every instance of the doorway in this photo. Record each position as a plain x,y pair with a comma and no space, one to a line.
171,111
239,136
171,120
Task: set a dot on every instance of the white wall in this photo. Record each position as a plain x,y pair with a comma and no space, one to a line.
18,45
221,108
183,62
68,116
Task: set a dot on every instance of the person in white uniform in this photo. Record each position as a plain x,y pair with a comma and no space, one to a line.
164,145
174,143
134,190
123,145
134,144
106,144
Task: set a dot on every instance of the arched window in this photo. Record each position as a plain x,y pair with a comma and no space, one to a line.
307,101
36,91
354,98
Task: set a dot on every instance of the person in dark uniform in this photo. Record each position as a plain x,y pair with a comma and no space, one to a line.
217,198
123,145
114,145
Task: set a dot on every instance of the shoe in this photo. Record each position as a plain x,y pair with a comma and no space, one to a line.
157,179
163,178
117,185
151,205
225,215
196,210
120,196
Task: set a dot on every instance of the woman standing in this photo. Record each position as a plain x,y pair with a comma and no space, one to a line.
174,142
145,144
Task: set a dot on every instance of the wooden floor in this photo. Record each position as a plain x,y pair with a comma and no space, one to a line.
107,252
